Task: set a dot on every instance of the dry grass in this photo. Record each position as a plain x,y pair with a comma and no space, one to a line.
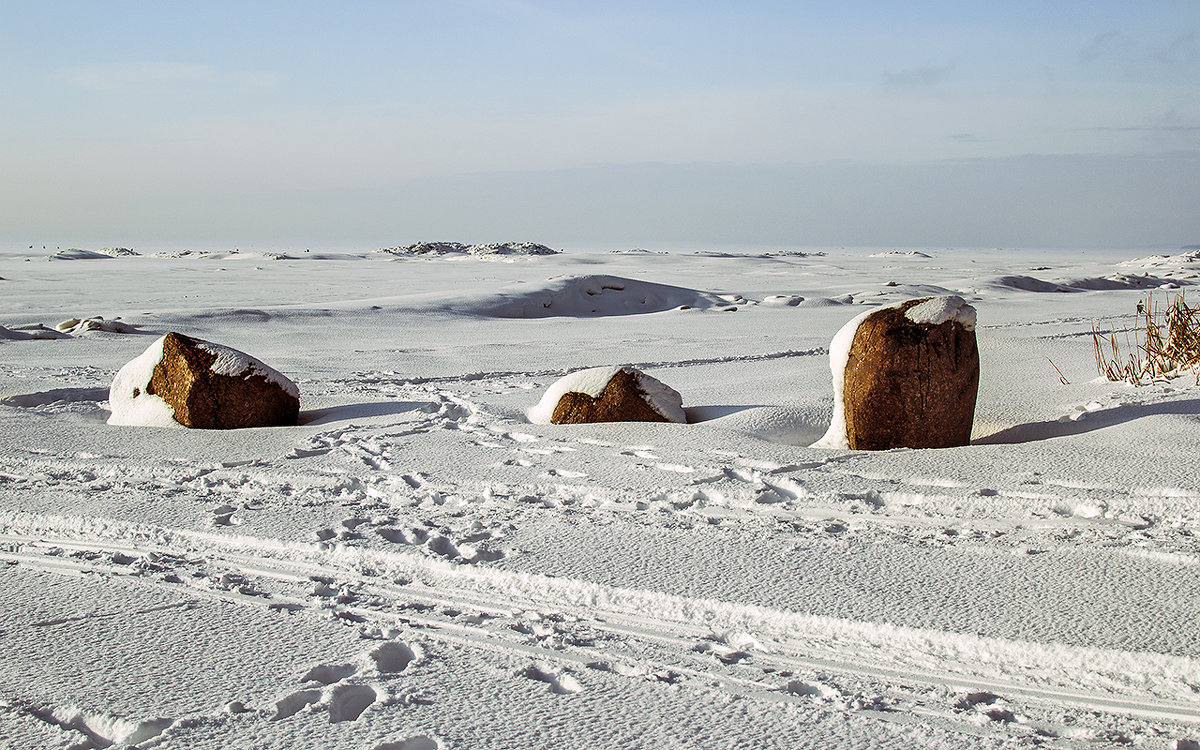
1164,342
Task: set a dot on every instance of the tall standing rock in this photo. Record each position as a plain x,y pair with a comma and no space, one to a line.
201,384
908,378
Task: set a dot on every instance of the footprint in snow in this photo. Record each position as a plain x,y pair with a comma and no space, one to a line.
394,656
290,705
419,742
347,702
724,654
815,689
327,674
414,481
561,683
223,516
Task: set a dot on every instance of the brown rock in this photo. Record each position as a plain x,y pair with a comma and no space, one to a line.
909,384
622,400
205,399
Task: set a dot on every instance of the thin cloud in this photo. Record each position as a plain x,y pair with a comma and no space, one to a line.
914,78
109,77
1107,45
1182,52
122,76
1144,56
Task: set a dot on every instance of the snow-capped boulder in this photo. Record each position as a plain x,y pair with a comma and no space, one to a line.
905,376
180,380
608,394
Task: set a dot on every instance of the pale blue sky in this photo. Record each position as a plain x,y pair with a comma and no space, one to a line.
953,123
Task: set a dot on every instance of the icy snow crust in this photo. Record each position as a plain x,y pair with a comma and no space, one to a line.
591,382
148,410
418,565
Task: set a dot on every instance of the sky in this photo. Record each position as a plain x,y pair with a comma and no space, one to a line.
965,123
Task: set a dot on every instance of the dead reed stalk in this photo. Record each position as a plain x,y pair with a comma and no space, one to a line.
1164,342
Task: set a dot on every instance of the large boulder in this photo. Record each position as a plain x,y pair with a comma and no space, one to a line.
180,380
608,394
905,376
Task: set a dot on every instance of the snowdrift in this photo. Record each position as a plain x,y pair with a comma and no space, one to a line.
594,296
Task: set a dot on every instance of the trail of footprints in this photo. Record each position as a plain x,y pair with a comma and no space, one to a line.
466,545
562,649
339,690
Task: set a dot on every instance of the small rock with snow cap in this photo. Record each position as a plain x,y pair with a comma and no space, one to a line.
180,380
608,394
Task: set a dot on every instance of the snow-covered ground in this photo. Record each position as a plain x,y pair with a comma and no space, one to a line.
418,566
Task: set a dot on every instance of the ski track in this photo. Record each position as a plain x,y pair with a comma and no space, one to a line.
410,566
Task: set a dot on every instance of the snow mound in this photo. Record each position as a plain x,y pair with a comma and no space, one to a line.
56,396
901,254
24,333
1113,282
1028,284
797,425
662,398
782,300
74,253
1121,281
117,252
75,326
846,299
1190,257
594,296
132,406
459,248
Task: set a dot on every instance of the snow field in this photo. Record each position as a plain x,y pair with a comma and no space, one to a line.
418,565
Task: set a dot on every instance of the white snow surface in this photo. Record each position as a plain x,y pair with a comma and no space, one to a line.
418,565
660,397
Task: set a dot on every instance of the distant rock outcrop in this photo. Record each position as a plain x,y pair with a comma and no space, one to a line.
608,394
459,248
909,376
203,385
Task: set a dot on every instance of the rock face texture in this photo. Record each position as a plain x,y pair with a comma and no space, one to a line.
911,376
217,388
608,394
